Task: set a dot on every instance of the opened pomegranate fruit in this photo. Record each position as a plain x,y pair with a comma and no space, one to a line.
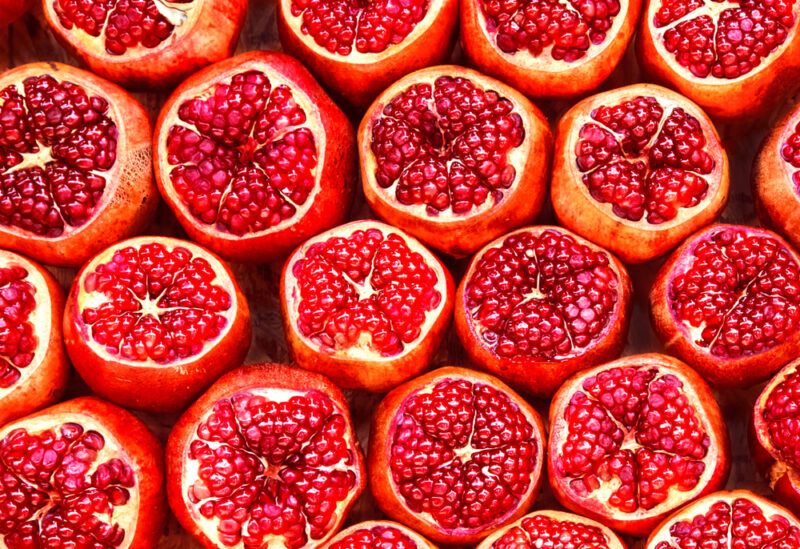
146,44
378,534
266,458
75,164
455,454
158,313
637,170
254,158
553,530
728,303
736,59
11,10
634,439
454,157
734,519
366,305
541,303
358,48
83,473
553,49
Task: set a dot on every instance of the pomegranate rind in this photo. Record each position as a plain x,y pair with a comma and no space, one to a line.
128,439
209,34
250,377
421,542
538,376
179,382
130,198
356,368
543,76
382,431
707,409
328,204
632,241
359,77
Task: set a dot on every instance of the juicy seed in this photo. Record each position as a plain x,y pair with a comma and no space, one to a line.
18,340
782,415
543,531
791,154
377,537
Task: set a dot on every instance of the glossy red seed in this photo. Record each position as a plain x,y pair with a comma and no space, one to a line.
790,152
377,537
18,339
546,532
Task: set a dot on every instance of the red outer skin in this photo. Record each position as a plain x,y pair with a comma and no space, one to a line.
576,209
11,10
572,80
708,403
177,386
336,170
421,542
143,452
465,235
253,376
359,82
125,212
213,38
370,375
46,385
742,372
380,443
541,378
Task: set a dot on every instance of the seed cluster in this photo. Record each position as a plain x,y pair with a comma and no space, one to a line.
18,340
791,154
377,537
782,416
547,532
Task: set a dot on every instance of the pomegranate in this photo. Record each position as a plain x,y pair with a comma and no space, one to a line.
728,303
266,458
454,157
366,305
552,49
735,59
728,520
541,303
155,312
83,473
455,454
637,170
11,10
254,158
634,439
146,44
553,530
75,164
358,48
33,368
379,534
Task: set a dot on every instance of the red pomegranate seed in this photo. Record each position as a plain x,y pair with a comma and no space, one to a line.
379,536
541,530
18,339
782,416
791,154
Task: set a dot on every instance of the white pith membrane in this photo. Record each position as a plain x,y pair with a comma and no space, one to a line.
363,347
190,467
150,308
373,530
125,515
762,431
205,91
669,104
516,535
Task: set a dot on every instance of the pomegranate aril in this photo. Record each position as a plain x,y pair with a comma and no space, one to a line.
18,340
782,416
376,537
790,152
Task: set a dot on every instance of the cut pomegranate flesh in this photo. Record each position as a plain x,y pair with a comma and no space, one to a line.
245,157
448,146
645,159
724,39
540,530
737,293
378,537
272,464
781,415
56,143
59,487
18,340
544,296
791,154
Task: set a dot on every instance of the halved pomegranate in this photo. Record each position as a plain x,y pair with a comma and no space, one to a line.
253,157
728,303
266,458
553,530
11,10
552,49
75,164
634,439
455,454
83,473
358,48
158,313
734,519
736,59
637,170
454,157
146,44
378,534
541,303
366,305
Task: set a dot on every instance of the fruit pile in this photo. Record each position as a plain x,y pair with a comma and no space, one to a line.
344,295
